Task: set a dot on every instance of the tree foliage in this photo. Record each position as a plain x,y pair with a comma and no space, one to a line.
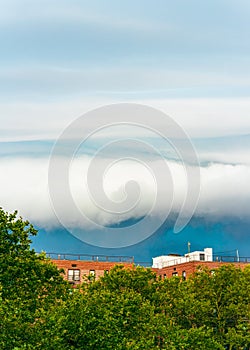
125,309
29,283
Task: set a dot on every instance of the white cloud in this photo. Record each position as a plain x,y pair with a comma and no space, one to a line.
119,78
225,190
47,11
208,117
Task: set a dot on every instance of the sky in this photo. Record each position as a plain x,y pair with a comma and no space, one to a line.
189,60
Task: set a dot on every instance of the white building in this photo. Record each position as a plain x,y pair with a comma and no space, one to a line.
169,260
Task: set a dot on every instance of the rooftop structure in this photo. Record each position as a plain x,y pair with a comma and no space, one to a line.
79,266
162,261
175,265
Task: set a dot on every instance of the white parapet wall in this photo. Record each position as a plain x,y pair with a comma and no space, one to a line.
169,260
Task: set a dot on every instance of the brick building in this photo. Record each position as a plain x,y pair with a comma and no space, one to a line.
175,265
188,268
78,267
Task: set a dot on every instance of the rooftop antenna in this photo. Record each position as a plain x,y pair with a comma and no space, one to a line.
237,255
189,245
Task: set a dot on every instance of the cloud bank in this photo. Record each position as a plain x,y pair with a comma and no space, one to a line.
225,190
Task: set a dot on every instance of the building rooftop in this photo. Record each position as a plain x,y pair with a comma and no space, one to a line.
206,255
91,257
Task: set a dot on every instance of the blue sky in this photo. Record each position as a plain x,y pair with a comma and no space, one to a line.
190,59
124,49
60,59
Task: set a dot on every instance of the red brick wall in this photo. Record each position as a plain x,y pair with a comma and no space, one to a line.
167,272
100,267
86,266
190,267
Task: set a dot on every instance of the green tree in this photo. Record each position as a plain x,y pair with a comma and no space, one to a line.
222,303
30,283
129,308
111,313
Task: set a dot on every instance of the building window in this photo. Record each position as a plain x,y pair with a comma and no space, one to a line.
91,276
73,275
202,257
184,276
165,276
175,274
